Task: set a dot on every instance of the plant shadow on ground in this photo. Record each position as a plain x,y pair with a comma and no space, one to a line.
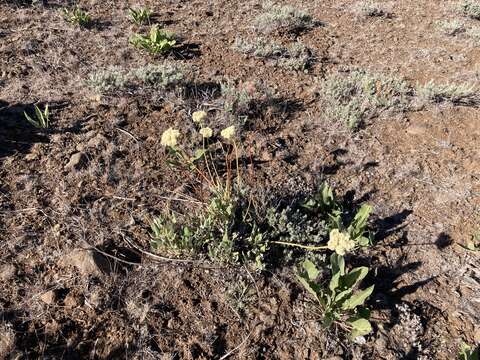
391,225
186,51
16,133
99,25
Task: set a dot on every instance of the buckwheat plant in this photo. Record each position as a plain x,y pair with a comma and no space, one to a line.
340,303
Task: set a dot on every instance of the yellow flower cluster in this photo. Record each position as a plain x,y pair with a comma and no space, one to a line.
340,242
199,116
169,137
206,132
228,132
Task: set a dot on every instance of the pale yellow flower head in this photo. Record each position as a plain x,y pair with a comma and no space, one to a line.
340,242
206,132
228,132
199,116
169,137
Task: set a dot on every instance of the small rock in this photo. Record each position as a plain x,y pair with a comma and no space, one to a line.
77,160
31,156
7,272
90,134
49,297
97,141
171,324
70,301
56,138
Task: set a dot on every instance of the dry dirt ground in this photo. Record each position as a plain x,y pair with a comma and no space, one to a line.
419,168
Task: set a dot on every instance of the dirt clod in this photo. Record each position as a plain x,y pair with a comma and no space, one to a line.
48,297
87,262
7,272
76,162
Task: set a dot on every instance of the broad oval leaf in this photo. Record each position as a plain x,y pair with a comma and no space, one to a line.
354,277
311,269
357,299
308,286
338,264
360,327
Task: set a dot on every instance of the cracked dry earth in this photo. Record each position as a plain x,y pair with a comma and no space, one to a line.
98,173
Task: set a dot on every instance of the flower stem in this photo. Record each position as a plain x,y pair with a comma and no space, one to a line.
308,247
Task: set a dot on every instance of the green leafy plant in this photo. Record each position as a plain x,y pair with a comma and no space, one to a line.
102,81
457,94
471,9
157,42
468,352
167,234
351,236
451,27
339,301
159,75
140,16
369,8
293,57
77,16
223,228
41,119
357,96
284,18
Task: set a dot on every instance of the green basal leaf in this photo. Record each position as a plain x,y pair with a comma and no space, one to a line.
357,299
338,264
359,223
363,241
38,113
311,288
333,285
328,319
466,352
187,233
198,154
360,327
354,277
342,295
327,195
311,270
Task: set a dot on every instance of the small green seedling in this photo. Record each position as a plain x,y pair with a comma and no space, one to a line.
41,120
468,352
77,16
339,302
158,42
140,16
